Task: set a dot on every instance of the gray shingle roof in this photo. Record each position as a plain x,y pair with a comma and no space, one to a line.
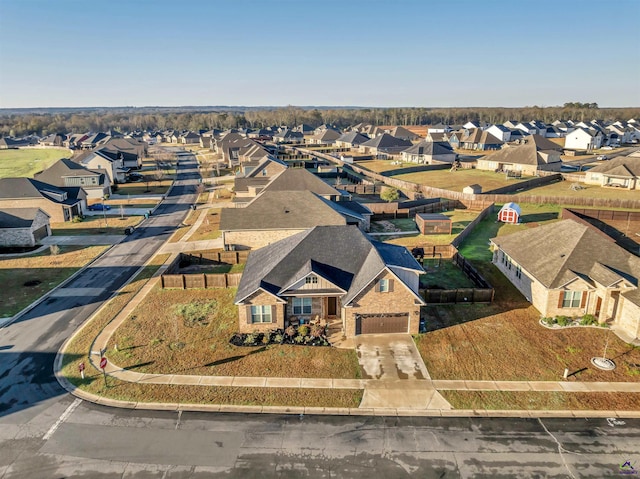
627,166
281,210
18,217
431,148
386,141
345,255
298,179
54,175
558,252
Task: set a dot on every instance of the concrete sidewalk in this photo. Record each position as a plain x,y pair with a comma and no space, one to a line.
180,247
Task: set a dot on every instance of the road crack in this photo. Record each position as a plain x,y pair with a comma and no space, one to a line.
561,449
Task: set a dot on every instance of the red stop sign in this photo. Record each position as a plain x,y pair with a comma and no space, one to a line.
103,363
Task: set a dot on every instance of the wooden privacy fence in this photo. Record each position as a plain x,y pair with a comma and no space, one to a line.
210,257
469,228
200,281
482,293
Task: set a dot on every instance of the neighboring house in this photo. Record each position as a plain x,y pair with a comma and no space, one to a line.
55,139
501,132
571,269
67,173
353,139
60,203
23,226
619,172
189,138
266,167
304,129
583,139
429,152
618,134
112,163
275,215
455,138
132,146
530,129
332,273
325,137
206,142
93,141
532,154
288,136
7,143
383,146
478,139
403,133
439,128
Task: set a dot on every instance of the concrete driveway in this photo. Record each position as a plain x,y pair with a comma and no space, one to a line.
390,357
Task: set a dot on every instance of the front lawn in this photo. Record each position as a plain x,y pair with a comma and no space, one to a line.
155,339
153,187
95,225
25,162
27,278
210,227
504,341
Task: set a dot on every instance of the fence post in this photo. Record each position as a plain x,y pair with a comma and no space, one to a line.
184,281
162,280
204,280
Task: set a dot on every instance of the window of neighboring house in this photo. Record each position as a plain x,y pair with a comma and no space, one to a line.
260,314
572,299
264,172
311,280
518,271
301,306
384,285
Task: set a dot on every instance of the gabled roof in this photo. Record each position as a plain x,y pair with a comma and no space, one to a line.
281,210
55,174
626,166
327,135
19,217
527,152
297,179
386,141
24,188
353,137
560,252
431,148
403,133
347,257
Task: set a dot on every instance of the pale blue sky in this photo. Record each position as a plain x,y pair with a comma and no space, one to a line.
311,52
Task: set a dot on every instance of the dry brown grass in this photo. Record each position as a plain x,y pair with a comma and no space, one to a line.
460,219
457,180
95,225
542,400
49,270
156,340
184,227
140,188
563,188
504,341
210,227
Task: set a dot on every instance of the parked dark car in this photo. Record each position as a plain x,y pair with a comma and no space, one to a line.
135,177
99,207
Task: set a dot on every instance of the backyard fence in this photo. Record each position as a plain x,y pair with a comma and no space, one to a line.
209,257
482,293
200,281
469,228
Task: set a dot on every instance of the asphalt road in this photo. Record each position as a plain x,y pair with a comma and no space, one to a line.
28,345
47,433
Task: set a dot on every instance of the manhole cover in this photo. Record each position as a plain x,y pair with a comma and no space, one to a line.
603,363
33,282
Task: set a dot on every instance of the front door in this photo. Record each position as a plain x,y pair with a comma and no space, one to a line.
332,306
598,306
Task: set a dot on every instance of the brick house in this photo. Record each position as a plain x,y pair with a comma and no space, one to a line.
528,156
619,172
331,273
23,226
571,269
60,203
67,173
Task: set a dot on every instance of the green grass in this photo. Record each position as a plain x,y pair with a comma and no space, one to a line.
29,161
443,275
400,224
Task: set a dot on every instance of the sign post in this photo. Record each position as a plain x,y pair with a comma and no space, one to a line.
103,364
81,369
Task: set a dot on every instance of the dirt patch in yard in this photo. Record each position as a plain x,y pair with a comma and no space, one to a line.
155,339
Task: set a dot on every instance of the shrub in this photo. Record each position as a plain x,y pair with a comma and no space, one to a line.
317,331
563,320
290,331
303,330
588,319
197,313
549,321
250,339
299,339
77,219
266,339
278,338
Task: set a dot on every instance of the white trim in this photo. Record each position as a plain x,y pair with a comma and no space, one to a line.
240,301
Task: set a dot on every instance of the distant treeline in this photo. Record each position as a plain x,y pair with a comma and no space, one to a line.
14,123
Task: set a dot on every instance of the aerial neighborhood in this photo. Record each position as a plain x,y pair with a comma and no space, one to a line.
319,237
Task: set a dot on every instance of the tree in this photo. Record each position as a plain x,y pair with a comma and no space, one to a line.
389,194
158,175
